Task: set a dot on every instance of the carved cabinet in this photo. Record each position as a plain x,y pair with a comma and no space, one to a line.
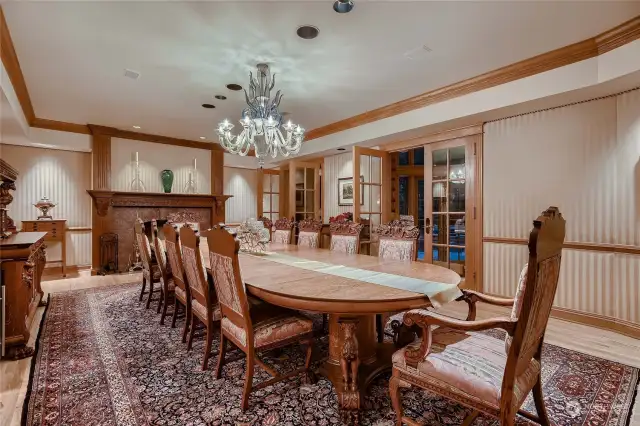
22,258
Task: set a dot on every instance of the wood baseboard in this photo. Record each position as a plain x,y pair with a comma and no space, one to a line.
70,269
619,326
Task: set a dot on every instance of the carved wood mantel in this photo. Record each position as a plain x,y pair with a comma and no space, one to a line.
116,211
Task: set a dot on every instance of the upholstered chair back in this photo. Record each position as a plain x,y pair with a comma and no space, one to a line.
309,233
517,301
397,240
232,296
345,237
543,270
194,269
283,231
407,220
160,250
174,257
143,245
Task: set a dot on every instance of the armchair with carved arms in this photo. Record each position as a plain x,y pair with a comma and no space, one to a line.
491,376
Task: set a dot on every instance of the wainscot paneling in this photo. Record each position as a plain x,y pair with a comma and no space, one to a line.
241,184
64,177
152,159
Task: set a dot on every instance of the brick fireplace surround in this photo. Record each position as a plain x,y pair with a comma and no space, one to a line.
115,211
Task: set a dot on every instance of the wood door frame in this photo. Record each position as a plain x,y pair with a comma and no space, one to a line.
385,182
292,165
473,203
260,190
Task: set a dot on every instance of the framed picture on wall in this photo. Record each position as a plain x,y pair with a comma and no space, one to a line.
345,191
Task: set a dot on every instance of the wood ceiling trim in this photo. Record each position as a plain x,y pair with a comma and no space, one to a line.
567,55
62,126
145,137
417,141
12,65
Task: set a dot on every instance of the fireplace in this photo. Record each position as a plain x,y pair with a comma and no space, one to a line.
115,212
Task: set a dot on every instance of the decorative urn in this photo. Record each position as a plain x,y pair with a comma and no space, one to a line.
44,205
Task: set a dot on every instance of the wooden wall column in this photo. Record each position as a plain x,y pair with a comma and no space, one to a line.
217,172
101,180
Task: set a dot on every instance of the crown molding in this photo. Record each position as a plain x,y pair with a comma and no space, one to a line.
146,137
586,49
12,65
61,126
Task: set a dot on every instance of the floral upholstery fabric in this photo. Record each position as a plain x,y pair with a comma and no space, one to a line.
517,302
181,294
191,269
468,367
171,285
155,274
224,280
194,225
162,256
282,236
308,239
202,311
344,244
393,249
271,331
172,255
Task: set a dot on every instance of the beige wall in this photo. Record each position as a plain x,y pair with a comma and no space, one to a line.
153,158
242,184
585,159
64,177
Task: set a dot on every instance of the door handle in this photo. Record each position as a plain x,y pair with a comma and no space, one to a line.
427,226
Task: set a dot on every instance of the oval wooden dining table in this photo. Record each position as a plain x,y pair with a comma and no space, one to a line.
355,356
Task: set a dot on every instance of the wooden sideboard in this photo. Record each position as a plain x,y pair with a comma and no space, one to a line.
22,259
56,230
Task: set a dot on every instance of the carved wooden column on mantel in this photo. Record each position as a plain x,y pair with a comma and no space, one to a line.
101,180
217,170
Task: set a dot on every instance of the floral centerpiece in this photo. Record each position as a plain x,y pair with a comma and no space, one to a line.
342,218
253,236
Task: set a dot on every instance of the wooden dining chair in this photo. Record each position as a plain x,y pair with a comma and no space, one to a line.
345,237
204,302
182,300
150,270
309,233
283,230
252,327
268,224
397,240
168,284
474,369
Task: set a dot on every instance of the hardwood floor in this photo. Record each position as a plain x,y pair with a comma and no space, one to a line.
14,375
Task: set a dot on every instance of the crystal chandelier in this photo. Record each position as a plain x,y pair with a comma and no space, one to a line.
261,122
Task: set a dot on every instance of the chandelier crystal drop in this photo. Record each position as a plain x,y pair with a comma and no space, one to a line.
261,122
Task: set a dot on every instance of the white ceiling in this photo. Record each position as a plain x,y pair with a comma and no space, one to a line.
73,54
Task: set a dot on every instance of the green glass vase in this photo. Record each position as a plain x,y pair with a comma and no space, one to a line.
167,180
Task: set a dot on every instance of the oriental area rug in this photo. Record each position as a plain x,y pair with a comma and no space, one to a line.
102,359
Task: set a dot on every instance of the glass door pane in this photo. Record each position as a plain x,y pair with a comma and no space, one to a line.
445,217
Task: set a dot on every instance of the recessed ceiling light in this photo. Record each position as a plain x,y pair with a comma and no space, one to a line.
307,32
202,137
234,87
208,106
341,149
343,6
136,127
221,97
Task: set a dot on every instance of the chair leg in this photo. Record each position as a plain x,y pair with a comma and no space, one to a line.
380,328
325,320
470,418
144,285
248,380
164,307
160,300
221,354
394,393
187,318
176,304
207,347
538,399
150,294
192,331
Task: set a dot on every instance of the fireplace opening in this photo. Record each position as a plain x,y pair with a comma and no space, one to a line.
108,253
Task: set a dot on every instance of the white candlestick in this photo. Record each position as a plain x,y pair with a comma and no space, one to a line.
194,164
136,156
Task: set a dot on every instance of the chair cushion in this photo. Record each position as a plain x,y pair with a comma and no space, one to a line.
202,311
272,330
467,367
171,285
517,302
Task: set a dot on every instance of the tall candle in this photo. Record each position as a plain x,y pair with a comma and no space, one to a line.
136,156
194,164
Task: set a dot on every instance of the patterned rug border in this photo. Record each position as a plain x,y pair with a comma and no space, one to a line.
127,286
34,361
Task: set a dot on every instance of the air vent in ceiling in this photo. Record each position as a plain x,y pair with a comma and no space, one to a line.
417,52
134,75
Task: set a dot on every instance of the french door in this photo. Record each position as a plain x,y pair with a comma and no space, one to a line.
450,211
